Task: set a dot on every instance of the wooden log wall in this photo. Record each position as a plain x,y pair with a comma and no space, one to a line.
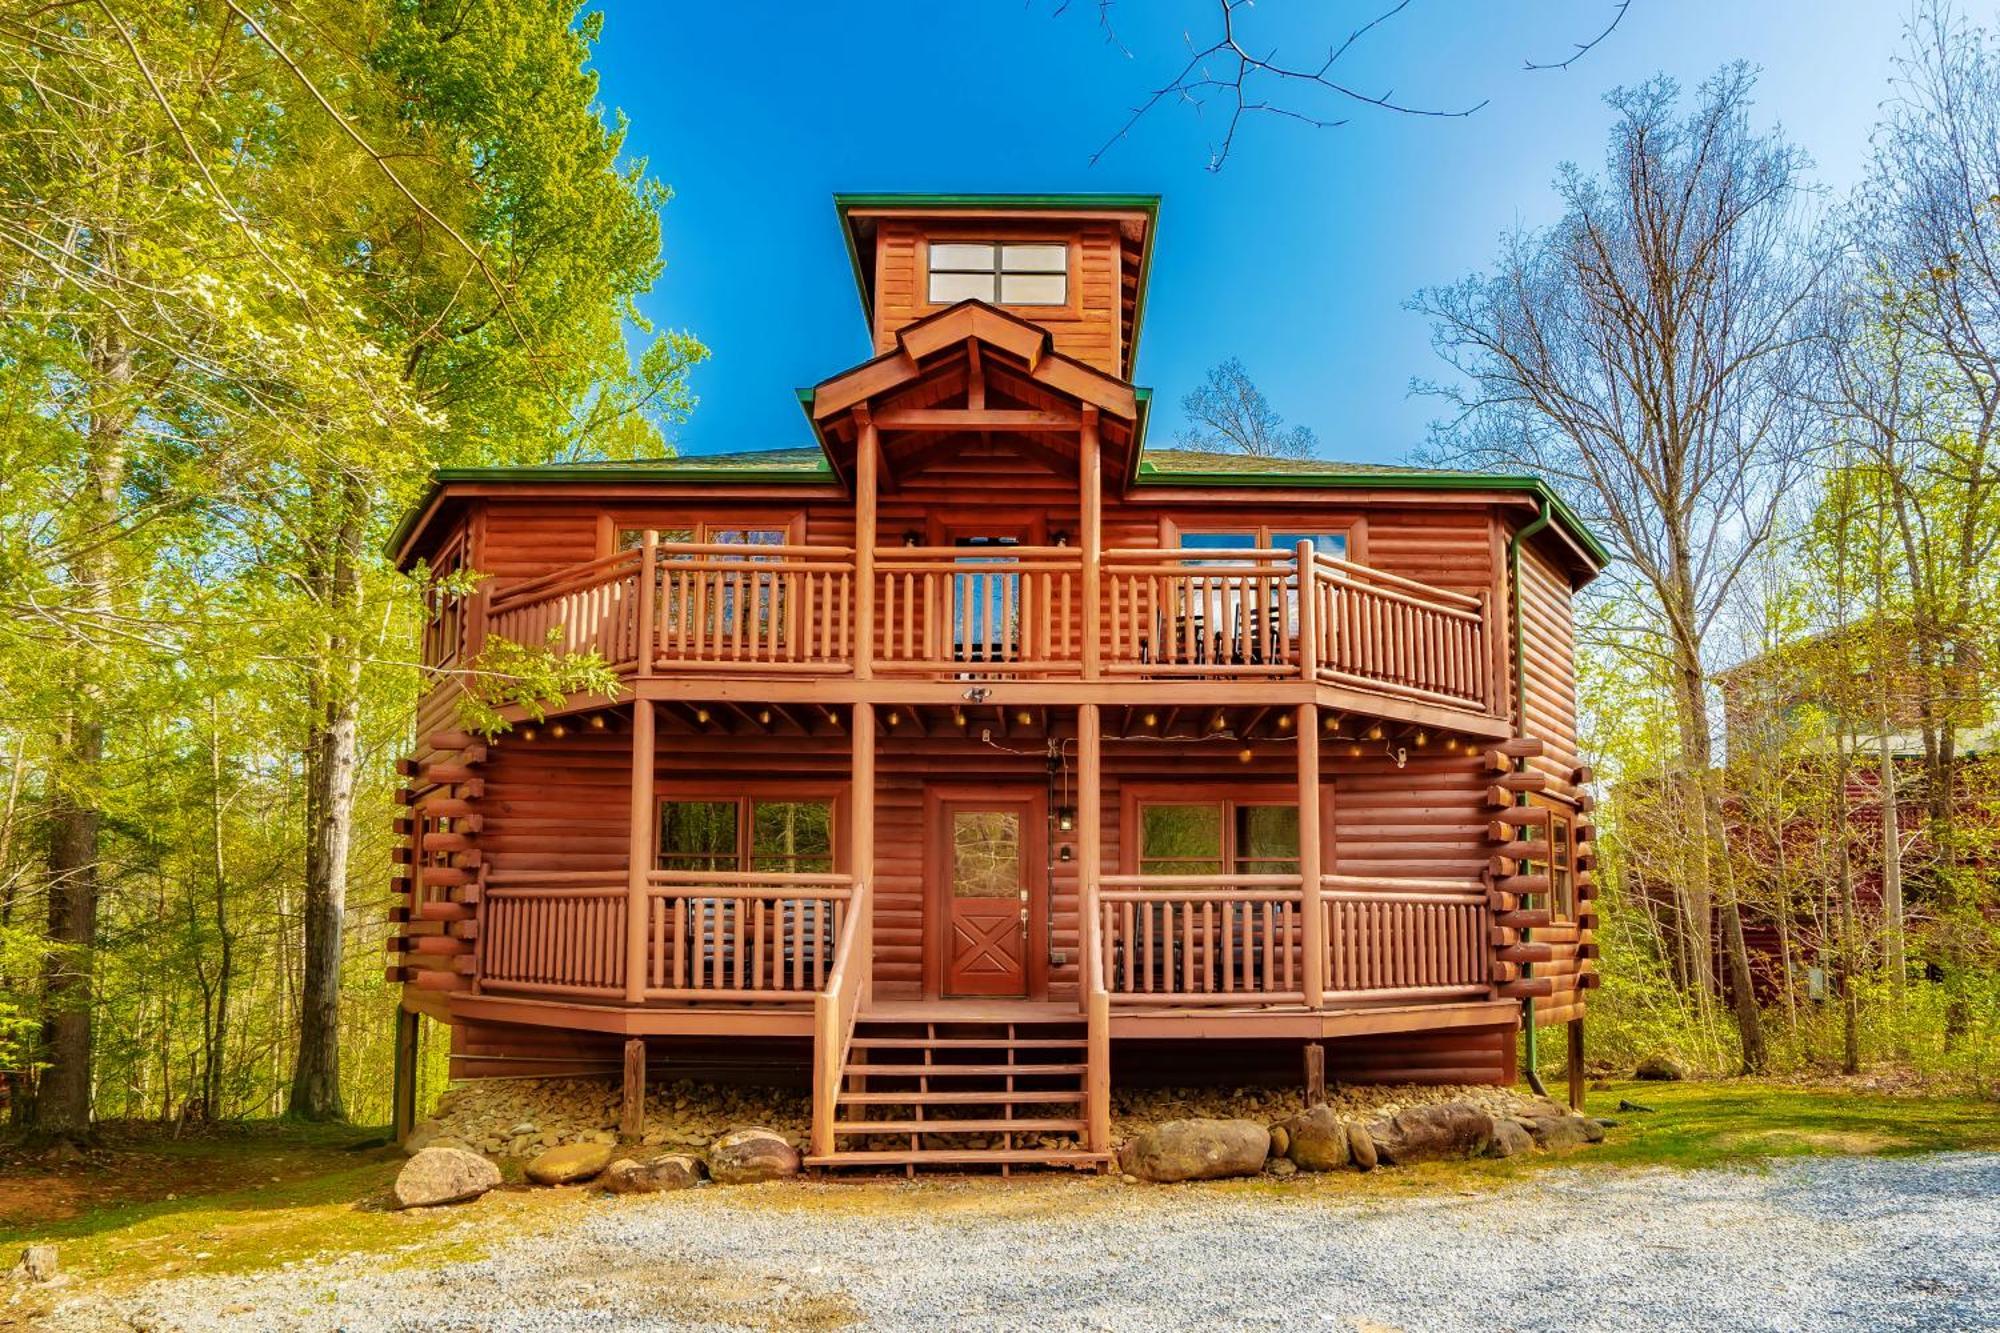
1087,329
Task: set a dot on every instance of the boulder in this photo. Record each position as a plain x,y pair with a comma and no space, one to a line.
1558,1131
38,1264
1426,1133
569,1163
1197,1150
1283,1166
1281,1141
673,1171
744,1156
421,1136
444,1175
1510,1137
1660,1069
1361,1145
1318,1140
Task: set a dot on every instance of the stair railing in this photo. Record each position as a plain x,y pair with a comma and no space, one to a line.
834,1010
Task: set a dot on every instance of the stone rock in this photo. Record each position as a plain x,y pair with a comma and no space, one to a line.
421,1136
1197,1150
444,1175
1426,1133
744,1156
1361,1145
1283,1166
1593,1130
1660,1069
1319,1140
1625,1105
1281,1140
570,1163
1559,1131
38,1264
673,1171
1510,1137
526,1129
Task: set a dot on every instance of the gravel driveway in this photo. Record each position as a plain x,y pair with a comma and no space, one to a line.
1827,1243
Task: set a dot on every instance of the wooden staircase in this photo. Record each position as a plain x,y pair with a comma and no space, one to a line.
962,1092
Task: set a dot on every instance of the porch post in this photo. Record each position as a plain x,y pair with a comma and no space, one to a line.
1090,836
1096,1002
1309,855
1090,534
867,463
639,851
861,841
403,1079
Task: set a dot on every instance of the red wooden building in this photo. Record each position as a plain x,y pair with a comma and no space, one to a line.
981,755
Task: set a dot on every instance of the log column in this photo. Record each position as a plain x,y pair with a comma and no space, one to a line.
861,841
867,468
403,1081
639,851
1310,870
1090,855
1090,534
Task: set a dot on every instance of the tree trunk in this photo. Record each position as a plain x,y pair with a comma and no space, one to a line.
1712,862
63,1092
331,758
1850,999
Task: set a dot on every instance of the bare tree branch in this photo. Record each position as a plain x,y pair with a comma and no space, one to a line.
1584,48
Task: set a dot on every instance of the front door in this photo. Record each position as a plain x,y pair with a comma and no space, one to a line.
987,895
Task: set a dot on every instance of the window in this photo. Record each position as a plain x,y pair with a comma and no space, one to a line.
1004,273
1264,537
1247,838
444,625
630,539
747,834
1562,860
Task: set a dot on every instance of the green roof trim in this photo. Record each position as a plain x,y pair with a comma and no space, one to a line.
1149,204
1193,467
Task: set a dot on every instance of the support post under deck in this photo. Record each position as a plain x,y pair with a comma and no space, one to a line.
403,1082
861,841
639,851
1310,870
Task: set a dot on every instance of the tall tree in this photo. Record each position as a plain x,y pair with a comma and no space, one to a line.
1645,353
1227,411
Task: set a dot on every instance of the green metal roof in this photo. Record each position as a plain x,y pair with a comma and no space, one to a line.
1198,467
1149,204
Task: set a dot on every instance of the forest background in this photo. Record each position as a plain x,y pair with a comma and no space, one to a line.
264,266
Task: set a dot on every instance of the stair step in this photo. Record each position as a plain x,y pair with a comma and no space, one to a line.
962,1157
956,1098
971,1043
932,1071
1048,1126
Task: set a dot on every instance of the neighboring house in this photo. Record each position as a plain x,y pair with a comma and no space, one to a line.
980,755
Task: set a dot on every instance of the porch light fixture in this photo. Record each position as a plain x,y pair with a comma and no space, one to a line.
1066,819
1065,854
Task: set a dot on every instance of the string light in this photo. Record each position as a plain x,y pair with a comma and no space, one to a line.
1024,717
894,719
558,731
958,716
1151,719
701,716
528,734
1375,733
1332,723
1284,722
1244,755
597,721
1423,739
764,716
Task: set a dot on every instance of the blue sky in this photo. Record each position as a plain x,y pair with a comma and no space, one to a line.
1296,257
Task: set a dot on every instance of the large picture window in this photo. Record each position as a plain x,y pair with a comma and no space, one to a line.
1000,272
1217,837
1262,537
747,833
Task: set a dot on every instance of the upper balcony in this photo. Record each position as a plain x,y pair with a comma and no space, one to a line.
1018,614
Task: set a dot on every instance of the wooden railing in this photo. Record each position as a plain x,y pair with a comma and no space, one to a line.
728,935
1015,612
834,1011
1403,937
595,605
1167,613
1202,939
1383,632
979,611
772,608
553,933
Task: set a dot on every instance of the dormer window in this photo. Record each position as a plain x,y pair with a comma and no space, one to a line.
1004,273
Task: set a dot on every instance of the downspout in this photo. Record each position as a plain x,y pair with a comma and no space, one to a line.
1521,762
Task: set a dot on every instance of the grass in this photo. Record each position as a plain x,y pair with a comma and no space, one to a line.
255,1197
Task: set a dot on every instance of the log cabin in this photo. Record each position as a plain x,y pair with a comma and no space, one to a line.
979,755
